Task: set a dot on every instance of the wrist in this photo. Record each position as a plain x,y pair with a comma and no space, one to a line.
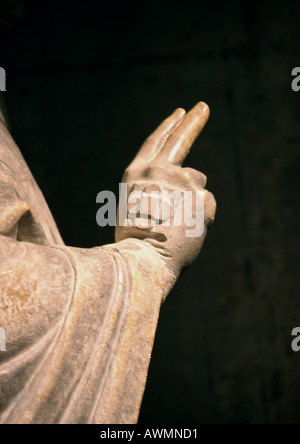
151,262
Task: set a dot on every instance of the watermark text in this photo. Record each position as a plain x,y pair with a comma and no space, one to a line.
296,80
2,340
145,209
2,79
296,341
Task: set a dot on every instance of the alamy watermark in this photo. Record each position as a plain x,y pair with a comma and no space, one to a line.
296,341
2,340
143,209
296,80
2,79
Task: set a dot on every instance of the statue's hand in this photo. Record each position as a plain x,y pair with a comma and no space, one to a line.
151,179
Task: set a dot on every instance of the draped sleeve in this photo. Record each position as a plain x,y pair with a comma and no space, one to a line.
79,323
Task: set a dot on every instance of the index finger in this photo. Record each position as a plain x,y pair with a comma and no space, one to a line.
180,141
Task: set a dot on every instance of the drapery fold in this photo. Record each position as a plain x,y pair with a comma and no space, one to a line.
79,323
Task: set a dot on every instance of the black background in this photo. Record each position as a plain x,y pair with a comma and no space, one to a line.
87,82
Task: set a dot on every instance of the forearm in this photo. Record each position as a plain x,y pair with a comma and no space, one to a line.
81,323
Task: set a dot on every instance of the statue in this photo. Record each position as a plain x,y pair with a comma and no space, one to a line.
80,323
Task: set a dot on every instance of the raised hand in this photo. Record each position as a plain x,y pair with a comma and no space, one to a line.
156,173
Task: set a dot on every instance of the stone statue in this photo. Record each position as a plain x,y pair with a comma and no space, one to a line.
80,323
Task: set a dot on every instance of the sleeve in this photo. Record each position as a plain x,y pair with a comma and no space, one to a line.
80,325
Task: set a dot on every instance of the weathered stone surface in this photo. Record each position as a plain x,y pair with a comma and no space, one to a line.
80,323
222,350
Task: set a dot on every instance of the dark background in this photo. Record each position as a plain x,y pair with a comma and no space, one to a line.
87,82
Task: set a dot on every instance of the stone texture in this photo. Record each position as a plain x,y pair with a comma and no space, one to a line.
80,323
89,78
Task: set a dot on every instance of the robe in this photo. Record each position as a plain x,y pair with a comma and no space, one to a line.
79,323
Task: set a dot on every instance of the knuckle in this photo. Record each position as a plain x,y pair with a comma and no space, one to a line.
128,170
130,174
203,177
210,207
154,170
127,173
197,176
